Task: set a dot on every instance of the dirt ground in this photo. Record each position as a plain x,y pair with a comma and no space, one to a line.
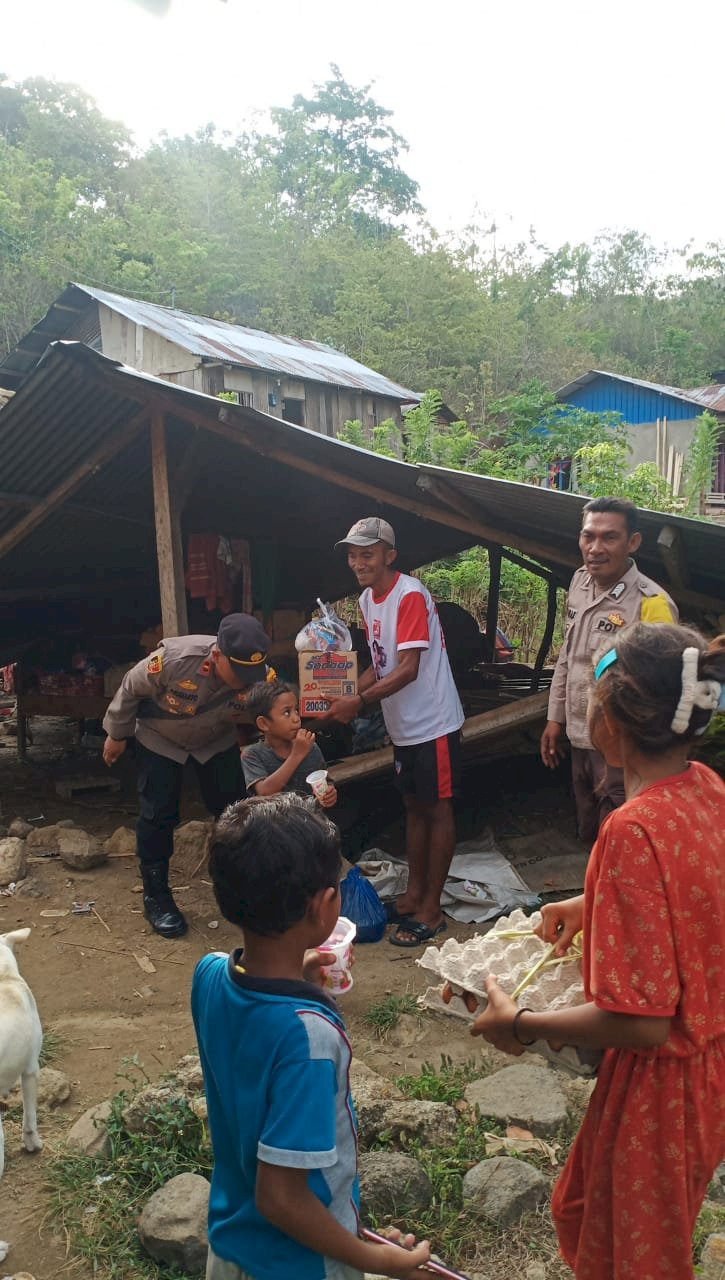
102,1007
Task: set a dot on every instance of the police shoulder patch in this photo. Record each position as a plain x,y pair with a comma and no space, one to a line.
618,591
155,664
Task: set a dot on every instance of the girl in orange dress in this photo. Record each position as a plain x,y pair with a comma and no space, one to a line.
653,920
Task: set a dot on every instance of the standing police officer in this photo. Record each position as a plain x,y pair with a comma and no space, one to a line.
181,703
605,595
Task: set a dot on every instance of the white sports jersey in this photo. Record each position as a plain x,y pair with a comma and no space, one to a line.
406,618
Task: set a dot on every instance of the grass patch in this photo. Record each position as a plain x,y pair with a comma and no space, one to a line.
97,1201
711,1220
446,1083
383,1016
52,1047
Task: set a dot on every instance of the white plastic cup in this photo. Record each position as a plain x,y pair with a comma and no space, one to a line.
338,975
318,782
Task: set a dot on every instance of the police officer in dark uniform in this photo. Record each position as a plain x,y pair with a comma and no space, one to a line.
181,703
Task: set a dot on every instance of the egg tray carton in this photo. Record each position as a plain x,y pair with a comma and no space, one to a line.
464,966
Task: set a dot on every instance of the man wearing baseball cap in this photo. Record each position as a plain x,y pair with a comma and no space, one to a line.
180,703
411,679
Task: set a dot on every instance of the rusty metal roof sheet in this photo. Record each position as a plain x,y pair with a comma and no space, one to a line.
711,397
208,339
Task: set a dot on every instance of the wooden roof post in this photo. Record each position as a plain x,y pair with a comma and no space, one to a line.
169,550
494,592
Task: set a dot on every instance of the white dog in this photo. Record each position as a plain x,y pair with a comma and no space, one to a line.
21,1037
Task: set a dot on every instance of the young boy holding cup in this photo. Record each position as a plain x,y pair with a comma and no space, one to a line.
276,1059
287,758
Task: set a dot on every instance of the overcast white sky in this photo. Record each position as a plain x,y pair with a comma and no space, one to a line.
562,114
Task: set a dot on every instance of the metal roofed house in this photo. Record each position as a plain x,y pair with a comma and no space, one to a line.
659,417
304,382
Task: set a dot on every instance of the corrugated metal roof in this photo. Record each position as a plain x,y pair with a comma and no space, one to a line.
711,397
552,520
296,489
209,340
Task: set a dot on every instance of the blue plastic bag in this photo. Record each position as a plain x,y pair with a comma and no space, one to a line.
361,904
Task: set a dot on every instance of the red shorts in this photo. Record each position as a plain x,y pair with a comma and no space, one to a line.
431,771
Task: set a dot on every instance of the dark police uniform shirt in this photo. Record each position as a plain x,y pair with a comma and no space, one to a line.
175,703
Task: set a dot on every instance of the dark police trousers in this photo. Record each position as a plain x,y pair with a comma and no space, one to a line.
221,782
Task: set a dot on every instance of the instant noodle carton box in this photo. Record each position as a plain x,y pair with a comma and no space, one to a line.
325,675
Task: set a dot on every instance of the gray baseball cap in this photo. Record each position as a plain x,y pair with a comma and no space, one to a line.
368,531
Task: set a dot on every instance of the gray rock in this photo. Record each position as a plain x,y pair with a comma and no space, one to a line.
381,1108
527,1095
53,1088
139,1115
79,850
172,1225
503,1189
191,841
189,1074
368,1085
393,1184
28,888
372,1094
717,1186
43,839
13,860
184,1084
535,1271
66,824
712,1263
89,1133
122,841
20,828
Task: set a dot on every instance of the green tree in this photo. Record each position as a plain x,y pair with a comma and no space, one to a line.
336,155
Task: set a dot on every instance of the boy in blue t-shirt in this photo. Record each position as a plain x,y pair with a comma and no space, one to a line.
276,1060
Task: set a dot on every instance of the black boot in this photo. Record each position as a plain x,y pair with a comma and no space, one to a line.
160,909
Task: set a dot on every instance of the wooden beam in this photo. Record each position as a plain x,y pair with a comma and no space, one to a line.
544,647
477,531
669,545
169,552
492,603
107,449
29,500
489,724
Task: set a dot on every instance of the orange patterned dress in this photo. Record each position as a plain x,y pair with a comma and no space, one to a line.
654,926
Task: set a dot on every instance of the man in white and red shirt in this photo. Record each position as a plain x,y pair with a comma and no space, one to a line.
411,678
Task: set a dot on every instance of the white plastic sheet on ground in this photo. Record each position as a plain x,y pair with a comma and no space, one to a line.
481,886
